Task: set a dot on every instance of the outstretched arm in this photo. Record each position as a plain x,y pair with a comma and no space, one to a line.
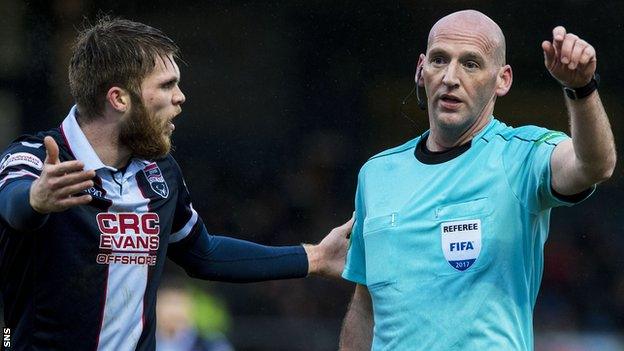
227,259
589,157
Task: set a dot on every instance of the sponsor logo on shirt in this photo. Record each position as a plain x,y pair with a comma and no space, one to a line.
461,242
128,238
156,180
21,158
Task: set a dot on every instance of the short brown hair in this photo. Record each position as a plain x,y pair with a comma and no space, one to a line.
114,52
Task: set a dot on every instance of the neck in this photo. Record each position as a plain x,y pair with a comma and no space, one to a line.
441,139
103,135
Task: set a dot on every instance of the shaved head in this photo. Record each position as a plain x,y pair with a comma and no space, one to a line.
488,32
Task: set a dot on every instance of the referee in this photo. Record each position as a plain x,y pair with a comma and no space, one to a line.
448,241
90,211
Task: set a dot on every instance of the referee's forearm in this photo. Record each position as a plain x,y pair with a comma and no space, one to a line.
592,137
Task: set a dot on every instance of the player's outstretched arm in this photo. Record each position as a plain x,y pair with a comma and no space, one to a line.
55,188
227,259
357,328
327,258
589,157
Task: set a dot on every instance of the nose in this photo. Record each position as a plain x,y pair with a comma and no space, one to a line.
178,96
451,78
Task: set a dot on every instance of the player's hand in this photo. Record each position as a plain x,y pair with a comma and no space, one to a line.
569,59
328,257
58,182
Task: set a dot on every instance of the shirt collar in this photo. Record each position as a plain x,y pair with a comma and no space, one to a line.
82,150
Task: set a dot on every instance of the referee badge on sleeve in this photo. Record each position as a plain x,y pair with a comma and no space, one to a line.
461,242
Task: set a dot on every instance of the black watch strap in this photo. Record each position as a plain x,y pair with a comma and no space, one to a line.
584,91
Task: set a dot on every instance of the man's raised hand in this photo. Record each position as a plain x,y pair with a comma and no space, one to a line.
569,59
58,182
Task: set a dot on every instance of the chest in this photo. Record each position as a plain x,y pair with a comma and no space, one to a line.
426,222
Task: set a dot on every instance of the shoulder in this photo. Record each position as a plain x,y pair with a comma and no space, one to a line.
528,135
392,154
171,169
27,150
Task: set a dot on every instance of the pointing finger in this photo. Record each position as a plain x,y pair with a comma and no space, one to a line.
558,37
559,33
52,151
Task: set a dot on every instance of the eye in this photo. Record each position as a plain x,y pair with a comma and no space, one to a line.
438,60
169,85
471,64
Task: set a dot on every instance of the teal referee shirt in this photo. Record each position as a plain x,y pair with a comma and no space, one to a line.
450,245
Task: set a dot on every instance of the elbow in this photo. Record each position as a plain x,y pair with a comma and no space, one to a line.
604,170
609,168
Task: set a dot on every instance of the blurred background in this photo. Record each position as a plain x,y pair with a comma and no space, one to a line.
287,99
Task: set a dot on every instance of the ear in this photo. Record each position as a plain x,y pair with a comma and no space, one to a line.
504,80
118,98
418,78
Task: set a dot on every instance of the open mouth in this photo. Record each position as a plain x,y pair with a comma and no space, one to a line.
450,98
449,102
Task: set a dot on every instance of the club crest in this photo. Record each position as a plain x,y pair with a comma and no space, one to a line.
461,242
156,180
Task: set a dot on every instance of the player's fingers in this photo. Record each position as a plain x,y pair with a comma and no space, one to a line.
74,201
567,47
577,52
74,188
52,151
73,178
66,167
549,53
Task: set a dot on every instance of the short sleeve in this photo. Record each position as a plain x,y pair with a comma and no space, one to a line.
527,163
355,267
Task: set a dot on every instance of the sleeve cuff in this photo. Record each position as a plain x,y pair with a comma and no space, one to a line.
16,207
574,198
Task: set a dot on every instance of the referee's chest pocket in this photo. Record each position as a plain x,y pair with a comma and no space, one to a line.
465,235
379,249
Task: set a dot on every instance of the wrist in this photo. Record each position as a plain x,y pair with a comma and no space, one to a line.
314,259
584,91
31,200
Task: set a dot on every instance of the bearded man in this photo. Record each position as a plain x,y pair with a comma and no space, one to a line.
90,210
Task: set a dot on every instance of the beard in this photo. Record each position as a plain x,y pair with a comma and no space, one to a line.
146,136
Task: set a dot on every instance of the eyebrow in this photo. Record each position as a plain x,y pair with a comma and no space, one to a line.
173,80
470,55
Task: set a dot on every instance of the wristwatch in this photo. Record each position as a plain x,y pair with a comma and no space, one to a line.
584,91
